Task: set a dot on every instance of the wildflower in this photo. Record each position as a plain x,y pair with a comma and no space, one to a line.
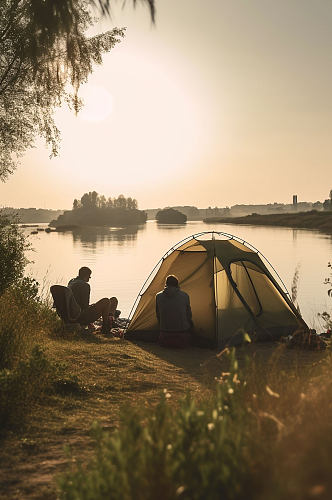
210,426
214,414
169,447
230,390
167,395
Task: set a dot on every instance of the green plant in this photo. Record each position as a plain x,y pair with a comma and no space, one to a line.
24,317
21,387
12,248
194,451
239,441
326,316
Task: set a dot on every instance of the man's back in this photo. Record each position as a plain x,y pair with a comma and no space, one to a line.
81,292
173,310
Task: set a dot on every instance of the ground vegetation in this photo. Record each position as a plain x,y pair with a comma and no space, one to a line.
168,429
12,252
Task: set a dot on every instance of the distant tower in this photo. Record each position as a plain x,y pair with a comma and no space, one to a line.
294,200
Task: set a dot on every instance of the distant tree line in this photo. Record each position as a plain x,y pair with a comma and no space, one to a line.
95,200
94,209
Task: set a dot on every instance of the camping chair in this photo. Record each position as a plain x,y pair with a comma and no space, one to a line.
66,306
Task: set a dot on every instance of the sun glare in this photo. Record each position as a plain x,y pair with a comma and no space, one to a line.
98,103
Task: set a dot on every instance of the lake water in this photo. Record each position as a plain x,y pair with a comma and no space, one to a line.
121,259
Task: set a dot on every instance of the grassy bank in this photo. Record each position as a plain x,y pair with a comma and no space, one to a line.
304,220
26,373
185,424
271,419
262,432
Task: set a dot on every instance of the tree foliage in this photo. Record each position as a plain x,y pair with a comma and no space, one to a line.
95,200
44,57
327,204
12,248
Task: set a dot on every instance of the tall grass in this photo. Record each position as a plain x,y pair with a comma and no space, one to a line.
22,387
263,433
25,372
24,319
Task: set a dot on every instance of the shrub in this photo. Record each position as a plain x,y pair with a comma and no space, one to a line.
12,248
22,387
326,316
23,318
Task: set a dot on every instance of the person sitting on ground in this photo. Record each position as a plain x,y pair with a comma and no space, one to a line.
174,315
104,308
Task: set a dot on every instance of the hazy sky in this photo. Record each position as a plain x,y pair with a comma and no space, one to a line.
222,102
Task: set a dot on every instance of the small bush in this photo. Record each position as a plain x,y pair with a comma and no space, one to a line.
12,252
23,318
22,387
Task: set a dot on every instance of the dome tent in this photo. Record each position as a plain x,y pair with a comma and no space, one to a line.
230,286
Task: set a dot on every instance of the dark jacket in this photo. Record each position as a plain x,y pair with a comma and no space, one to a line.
81,292
173,310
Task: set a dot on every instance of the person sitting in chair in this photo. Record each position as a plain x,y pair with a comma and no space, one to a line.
174,315
90,313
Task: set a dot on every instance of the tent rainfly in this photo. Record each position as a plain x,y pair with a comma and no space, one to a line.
230,287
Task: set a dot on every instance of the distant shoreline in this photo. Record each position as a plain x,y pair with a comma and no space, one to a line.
321,221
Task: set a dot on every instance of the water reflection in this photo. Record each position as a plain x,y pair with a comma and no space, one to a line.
92,236
171,227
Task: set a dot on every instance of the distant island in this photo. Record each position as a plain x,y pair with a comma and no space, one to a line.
170,216
95,210
302,220
194,213
32,215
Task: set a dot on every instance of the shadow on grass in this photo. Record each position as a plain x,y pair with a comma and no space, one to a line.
206,364
200,363
86,336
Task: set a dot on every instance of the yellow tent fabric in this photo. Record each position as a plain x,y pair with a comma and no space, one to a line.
230,289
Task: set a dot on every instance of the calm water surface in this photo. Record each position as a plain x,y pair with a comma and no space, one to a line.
121,259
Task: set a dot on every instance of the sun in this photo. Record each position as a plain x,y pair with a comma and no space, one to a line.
98,103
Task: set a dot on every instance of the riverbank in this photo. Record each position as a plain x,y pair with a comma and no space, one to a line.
321,221
111,374
114,374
